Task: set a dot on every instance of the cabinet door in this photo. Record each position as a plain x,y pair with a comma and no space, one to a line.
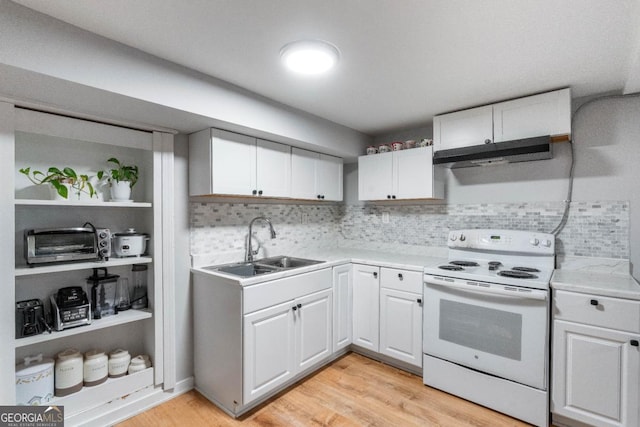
463,128
375,176
413,173
342,301
366,308
269,345
538,115
401,325
313,319
233,163
303,173
329,178
273,169
596,375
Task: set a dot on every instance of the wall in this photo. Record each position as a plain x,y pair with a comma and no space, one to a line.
38,43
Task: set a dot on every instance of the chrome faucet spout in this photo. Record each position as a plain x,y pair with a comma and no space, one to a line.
249,253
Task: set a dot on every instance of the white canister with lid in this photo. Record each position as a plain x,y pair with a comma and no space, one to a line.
139,363
34,381
69,373
118,363
96,367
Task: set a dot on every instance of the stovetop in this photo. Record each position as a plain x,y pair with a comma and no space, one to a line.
508,257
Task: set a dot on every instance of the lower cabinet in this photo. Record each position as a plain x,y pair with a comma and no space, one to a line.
342,303
366,306
281,341
596,369
387,312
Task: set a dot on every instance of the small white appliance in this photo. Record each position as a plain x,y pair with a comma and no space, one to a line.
486,321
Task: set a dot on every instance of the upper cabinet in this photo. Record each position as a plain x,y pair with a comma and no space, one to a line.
315,175
537,115
227,163
398,175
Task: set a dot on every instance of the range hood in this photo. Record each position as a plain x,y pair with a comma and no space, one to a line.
519,150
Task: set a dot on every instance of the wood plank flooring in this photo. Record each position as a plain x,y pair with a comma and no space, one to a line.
351,391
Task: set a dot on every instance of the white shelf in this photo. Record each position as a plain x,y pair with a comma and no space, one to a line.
121,318
113,388
90,203
113,262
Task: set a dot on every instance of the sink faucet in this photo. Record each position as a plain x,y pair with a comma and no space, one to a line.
249,254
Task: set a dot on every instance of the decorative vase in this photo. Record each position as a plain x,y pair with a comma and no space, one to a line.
120,191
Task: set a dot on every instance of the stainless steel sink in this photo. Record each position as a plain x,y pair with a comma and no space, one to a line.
262,266
286,262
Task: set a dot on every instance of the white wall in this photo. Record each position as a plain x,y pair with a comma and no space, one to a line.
36,42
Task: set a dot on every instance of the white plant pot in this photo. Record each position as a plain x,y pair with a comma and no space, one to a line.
120,191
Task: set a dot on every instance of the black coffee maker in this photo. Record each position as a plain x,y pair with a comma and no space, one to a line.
30,318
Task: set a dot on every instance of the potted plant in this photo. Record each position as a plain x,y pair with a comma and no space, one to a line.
66,182
122,178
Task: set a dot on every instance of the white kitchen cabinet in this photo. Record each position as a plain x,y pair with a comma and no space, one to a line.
366,306
40,140
401,315
315,176
537,115
251,341
342,303
228,163
285,340
463,128
399,175
269,349
596,369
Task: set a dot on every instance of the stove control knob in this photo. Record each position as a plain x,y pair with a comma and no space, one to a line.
462,237
534,242
546,243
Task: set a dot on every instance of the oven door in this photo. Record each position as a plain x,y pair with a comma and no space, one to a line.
496,329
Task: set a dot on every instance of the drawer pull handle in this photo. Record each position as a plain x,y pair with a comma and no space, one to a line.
375,275
400,276
634,343
594,302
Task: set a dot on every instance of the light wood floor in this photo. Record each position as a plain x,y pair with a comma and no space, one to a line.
351,391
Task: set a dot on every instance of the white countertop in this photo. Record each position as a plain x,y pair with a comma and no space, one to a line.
596,283
333,257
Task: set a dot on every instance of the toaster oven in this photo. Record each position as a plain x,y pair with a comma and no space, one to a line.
66,244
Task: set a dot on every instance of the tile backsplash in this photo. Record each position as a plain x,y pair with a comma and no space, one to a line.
594,229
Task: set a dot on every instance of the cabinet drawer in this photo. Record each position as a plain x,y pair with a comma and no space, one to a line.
614,313
262,295
401,280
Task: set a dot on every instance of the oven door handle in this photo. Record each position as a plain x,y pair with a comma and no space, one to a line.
530,294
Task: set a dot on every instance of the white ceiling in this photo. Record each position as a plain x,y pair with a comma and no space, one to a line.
402,61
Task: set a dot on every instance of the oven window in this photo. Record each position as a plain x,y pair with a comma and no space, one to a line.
486,329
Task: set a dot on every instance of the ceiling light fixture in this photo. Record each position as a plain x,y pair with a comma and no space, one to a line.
309,56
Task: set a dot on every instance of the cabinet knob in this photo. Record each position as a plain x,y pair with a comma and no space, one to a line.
400,276
319,196
254,192
260,193
594,302
487,141
393,197
388,196
375,275
322,197
419,300
299,305
294,308
634,343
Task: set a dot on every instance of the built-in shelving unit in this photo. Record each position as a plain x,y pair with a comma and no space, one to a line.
40,140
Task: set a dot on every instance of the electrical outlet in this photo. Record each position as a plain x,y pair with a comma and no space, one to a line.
385,217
